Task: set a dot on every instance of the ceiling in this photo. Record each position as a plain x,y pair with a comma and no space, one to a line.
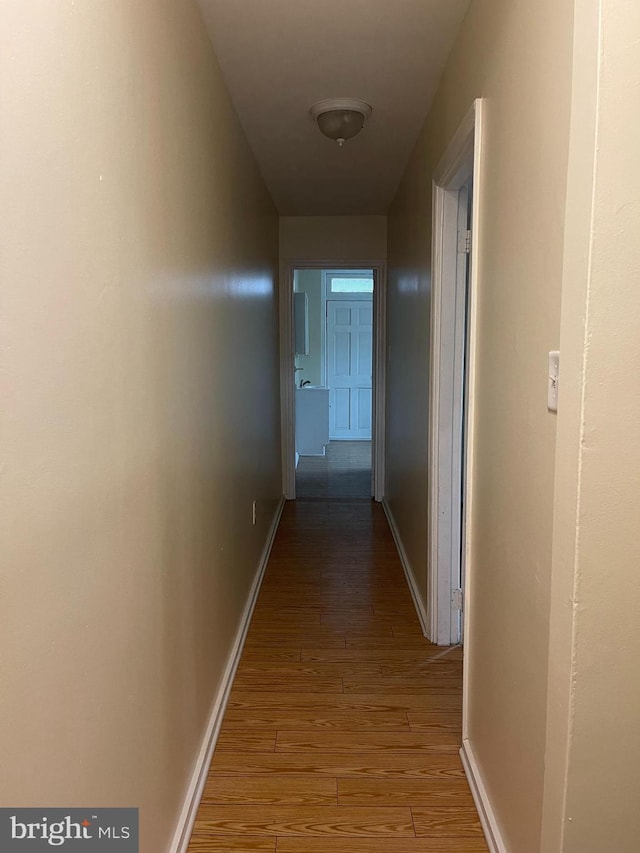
279,57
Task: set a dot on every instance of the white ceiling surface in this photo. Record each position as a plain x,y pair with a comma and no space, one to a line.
279,57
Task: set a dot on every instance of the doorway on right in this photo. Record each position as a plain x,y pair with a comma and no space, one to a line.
451,393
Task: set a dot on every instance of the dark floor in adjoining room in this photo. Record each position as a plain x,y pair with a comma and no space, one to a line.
344,472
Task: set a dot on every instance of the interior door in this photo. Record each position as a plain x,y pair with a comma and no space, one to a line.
349,366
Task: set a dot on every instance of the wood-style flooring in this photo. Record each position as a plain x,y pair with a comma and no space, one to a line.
343,727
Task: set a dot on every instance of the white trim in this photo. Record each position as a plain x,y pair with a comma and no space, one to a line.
490,825
459,149
474,285
287,363
323,330
287,384
187,818
458,399
406,565
444,432
459,162
378,432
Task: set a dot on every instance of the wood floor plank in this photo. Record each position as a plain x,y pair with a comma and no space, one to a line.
405,792
303,790
225,844
288,684
376,764
336,613
379,630
312,741
322,636
345,593
307,568
430,720
312,820
270,605
360,628
245,741
314,719
342,600
358,622
335,669
361,582
256,653
296,634
379,845
389,684
423,669
403,609
380,655
404,628
272,639
274,588
388,640
288,618
355,588
365,702
442,821
343,571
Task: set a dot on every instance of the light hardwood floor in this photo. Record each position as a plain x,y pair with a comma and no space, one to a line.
343,726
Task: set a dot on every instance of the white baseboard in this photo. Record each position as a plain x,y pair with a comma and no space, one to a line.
490,825
193,796
413,589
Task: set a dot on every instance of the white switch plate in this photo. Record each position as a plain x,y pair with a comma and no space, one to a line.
554,378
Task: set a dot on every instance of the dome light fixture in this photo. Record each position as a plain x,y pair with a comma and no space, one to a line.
340,118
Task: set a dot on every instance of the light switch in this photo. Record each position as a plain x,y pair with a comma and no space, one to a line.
554,375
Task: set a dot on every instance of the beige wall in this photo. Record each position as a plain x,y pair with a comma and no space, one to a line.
593,751
333,238
139,386
518,57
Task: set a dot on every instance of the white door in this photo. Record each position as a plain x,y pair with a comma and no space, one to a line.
349,362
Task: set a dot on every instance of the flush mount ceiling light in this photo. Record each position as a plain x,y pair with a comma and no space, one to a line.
340,118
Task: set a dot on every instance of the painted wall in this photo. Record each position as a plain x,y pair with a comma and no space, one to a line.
138,254
310,282
593,749
518,57
333,238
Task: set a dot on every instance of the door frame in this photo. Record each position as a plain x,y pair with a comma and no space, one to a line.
287,364
462,158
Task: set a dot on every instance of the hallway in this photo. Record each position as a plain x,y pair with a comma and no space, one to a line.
343,720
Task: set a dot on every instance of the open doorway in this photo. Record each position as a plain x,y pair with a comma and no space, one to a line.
333,406
455,220
332,341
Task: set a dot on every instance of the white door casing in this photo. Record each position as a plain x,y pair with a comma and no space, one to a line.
287,364
451,440
349,368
